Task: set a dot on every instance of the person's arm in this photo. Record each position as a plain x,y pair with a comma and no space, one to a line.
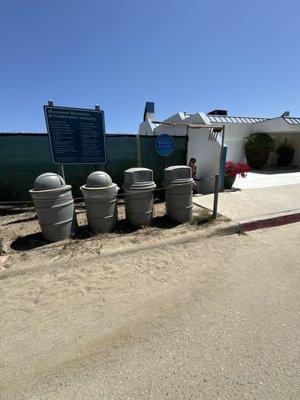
194,176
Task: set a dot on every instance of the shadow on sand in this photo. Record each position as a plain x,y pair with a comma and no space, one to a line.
28,242
35,240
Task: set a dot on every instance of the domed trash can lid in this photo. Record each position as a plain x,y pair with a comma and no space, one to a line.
177,175
49,181
98,179
138,179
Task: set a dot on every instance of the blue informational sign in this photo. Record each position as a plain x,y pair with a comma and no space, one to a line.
77,135
164,145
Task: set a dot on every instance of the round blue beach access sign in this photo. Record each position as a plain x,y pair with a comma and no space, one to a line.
164,145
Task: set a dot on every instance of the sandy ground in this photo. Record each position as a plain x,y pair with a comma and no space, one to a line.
22,243
179,312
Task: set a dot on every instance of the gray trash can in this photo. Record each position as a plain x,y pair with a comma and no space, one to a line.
138,186
100,195
179,200
54,205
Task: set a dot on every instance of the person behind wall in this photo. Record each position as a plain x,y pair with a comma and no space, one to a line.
192,165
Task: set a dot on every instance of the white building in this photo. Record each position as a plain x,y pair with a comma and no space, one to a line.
206,152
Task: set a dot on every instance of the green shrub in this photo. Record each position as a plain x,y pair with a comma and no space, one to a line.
258,147
285,153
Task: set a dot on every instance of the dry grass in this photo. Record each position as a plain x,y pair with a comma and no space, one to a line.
203,216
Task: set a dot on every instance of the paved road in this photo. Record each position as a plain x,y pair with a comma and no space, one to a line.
225,325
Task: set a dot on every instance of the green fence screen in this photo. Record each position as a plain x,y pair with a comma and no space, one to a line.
24,156
150,158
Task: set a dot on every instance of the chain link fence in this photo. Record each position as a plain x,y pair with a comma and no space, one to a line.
24,156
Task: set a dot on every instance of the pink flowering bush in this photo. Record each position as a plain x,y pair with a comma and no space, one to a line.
234,169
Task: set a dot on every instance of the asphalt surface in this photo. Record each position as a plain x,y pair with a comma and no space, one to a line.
228,332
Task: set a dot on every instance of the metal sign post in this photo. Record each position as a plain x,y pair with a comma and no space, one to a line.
216,196
138,150
51,104
97,108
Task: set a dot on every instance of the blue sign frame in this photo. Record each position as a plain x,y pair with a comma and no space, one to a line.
77,135
164,145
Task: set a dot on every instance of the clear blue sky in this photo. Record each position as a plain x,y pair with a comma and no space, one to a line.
189,55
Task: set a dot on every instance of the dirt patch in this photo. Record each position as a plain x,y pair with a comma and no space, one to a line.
23,243
79,294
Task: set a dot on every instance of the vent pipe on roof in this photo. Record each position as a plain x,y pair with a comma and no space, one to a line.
149,111
218,112
286,114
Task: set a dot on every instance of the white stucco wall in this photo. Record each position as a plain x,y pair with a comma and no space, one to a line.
235,135
207,155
